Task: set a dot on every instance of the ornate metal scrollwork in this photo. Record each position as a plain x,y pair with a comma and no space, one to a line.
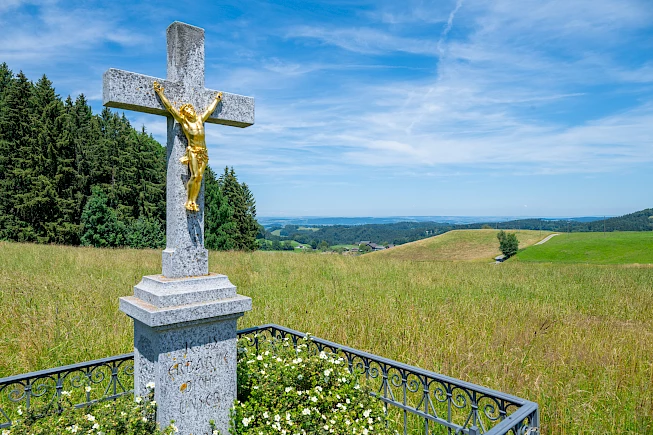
429,398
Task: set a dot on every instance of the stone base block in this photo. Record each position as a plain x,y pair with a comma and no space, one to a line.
185,342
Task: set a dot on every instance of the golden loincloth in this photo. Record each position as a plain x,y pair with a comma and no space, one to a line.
201,155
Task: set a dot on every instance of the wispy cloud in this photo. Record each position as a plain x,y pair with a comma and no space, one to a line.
57,33
365,40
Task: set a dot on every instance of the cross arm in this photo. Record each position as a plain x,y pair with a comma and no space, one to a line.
132,91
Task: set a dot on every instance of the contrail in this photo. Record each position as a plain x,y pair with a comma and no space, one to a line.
446,30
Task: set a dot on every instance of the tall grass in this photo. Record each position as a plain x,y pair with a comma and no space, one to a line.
577,339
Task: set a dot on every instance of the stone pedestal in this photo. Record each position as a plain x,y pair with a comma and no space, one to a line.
185,342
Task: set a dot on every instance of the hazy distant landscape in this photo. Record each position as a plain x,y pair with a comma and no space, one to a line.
268,221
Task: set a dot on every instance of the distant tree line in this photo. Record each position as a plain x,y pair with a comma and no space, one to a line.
71,177
639,221
404,232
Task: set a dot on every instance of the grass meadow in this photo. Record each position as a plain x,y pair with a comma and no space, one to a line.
601,248
576,338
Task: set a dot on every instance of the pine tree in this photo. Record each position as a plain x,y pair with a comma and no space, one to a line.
100,225
18,151
241,200
219,226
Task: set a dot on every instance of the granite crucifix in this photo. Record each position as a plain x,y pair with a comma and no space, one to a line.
185,319
184,254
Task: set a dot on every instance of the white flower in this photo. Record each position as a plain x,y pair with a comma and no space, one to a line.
277,417
306,411
150,385
259,357
89,417
313,399
288,389
96,426
87,389
19,411
174,428
265,414
366,413
63,393
144,419
5,432
138,399
246,421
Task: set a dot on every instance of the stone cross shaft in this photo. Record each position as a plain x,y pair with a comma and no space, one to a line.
184,254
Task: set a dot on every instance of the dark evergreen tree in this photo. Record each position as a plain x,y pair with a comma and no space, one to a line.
219,225
241,200
100,225
18,165
145,232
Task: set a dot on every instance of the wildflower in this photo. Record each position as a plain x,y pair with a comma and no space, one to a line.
150,385
87,388
366,413
63,393
174,428
89,417
246,421
19,411
96,426
306,411
138,399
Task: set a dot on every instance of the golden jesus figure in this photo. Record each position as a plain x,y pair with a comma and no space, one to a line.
196,156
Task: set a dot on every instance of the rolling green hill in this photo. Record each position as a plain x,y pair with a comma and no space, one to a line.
459,245
599,248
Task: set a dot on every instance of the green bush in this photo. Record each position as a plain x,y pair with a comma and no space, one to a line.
508,243
123,416
286,390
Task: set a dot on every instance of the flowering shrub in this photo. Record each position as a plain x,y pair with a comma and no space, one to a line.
124,416
283,390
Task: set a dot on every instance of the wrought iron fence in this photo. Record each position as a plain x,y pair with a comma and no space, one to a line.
417,400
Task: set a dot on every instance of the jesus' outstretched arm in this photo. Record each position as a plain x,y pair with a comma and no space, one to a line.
166,103
212,106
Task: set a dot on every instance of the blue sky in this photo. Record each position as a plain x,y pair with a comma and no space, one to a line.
386,108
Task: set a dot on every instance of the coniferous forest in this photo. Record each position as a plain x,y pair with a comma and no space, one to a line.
72,177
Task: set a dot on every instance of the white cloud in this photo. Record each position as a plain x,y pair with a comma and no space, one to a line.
365,40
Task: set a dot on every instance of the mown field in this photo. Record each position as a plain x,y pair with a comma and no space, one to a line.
600,248
576,338
459,245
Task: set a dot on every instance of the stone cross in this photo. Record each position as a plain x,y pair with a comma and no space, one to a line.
184,254
185,319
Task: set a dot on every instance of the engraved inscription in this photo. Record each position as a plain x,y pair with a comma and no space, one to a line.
195,374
